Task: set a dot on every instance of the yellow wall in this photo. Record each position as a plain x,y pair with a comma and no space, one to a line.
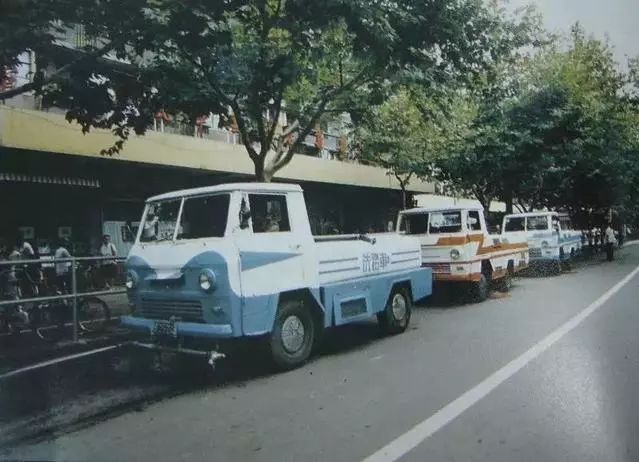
41,131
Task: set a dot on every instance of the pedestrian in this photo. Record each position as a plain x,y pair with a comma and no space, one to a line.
31,277
26,249
109,267
63,269
390,227
610,241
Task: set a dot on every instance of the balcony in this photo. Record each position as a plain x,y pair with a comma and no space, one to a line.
176,146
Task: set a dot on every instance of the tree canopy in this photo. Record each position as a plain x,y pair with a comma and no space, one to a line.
247,57
563,137
484,102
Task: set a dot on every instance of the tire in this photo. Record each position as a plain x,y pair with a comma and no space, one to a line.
94,315
293,335
47,323
506,283
396,315
479,289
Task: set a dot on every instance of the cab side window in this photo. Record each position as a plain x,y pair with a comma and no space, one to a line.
474,224
269,213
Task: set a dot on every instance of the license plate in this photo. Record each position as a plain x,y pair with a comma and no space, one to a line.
164,329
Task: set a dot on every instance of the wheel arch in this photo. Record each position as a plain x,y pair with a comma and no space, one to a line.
405,284
308,298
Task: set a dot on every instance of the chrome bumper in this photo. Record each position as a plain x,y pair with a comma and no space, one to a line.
186,329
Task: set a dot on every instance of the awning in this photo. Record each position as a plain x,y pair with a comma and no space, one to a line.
67,181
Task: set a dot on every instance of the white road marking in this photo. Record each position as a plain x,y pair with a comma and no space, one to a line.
376,358
408,441
60,360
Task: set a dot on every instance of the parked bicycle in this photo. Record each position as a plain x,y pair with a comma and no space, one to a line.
49,319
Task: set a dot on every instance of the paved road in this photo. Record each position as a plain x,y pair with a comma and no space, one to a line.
572,397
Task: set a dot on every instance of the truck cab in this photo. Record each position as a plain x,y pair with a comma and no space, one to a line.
456,245
239,260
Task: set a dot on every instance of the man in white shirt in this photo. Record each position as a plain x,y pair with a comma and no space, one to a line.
610,240
109,267
63,269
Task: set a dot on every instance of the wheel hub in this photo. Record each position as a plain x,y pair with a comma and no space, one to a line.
399,307
293,334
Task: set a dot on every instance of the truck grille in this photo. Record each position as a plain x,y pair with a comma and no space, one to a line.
439,268
534,252
183,310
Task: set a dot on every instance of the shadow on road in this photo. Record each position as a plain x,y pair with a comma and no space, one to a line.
71,395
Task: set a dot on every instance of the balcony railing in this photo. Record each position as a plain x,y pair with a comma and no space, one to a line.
308,147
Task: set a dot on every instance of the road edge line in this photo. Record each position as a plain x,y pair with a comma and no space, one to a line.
409,440
61,359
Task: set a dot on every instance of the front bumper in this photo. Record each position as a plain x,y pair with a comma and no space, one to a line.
184,329
545,254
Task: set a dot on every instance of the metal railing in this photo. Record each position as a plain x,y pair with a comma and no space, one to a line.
74,295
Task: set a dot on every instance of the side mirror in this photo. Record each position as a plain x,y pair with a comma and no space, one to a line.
245,215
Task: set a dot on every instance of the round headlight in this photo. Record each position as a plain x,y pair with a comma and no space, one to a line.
454,254
544,244
131,280
207,280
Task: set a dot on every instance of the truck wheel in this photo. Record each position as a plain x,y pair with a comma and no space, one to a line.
396,315
479,289
291,340
505,283
556,267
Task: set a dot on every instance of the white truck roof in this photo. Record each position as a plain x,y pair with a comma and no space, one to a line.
536,214
250,187
442,209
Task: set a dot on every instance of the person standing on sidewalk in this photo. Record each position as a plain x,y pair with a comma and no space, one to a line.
63,269
610,241
109,267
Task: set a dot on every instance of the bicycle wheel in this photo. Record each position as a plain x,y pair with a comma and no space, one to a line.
94,314
48,326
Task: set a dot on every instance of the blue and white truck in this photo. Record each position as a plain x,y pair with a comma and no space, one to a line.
551,237
238,260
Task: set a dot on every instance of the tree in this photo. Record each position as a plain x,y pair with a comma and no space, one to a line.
555,129
246,57
392,136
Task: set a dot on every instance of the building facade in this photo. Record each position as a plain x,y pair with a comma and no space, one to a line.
55,182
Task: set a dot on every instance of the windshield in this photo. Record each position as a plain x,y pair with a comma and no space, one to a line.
159,221
538,223
445,222
202,217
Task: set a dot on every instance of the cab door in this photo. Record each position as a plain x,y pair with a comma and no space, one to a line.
270,257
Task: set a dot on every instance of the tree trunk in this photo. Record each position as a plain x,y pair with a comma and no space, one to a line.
508,199
404,205
261,174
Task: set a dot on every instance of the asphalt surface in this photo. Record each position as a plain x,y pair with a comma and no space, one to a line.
576,400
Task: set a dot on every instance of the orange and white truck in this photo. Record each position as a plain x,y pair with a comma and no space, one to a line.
457,246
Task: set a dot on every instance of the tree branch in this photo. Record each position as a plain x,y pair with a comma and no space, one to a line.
284,158
278,109
56,75
235,107
241,125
